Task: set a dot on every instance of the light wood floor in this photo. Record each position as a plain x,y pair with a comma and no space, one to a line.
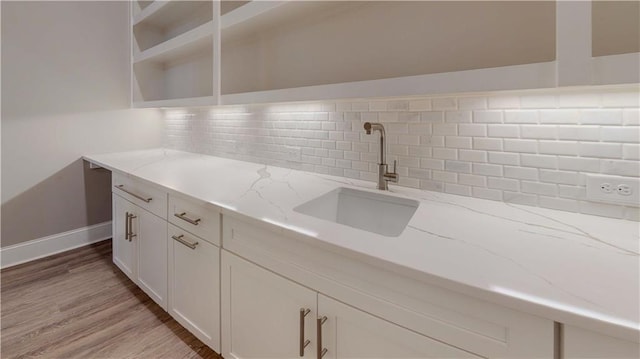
78,304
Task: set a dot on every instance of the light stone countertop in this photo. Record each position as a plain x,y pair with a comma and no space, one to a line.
572,268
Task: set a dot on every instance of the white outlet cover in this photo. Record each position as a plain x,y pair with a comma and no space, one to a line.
595,193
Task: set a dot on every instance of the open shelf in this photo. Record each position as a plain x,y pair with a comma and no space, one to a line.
180,46
173,56
165,20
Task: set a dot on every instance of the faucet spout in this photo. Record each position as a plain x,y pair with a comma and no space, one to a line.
383,175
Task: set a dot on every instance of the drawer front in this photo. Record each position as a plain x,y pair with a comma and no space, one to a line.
196,217
144,195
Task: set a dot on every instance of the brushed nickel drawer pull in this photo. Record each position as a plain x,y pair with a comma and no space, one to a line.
131,216
303,343
181,239
126,226
121,187
321,351
183,216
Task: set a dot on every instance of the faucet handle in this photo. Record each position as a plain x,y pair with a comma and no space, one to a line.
395,162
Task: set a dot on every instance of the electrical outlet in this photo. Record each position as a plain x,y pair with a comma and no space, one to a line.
613,189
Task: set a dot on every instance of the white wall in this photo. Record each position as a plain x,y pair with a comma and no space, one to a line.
65,93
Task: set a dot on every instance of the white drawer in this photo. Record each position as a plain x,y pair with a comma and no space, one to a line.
196,217
142,194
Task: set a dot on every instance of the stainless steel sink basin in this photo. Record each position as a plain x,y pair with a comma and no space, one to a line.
372,212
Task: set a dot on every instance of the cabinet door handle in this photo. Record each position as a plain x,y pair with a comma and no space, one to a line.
181,239
321,351
183,216
303,342
130,221
121,187
126,226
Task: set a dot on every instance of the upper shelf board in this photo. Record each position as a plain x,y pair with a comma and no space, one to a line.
181,45
164,13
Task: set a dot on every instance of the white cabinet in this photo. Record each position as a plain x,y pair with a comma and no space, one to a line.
582,344
194,285
140,248
265,316
140,234
261,313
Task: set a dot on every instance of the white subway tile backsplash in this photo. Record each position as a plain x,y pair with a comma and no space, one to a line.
563,177
527,146
620,134
431,163
492,144
631,117
601,150
579,164
620,168
539,131
445,153
539,188
579,133
472,180
487,169
504,158
419,105
442,176
631,151
444,104
457,142
457,166
559,147
532,149
474,130
504,131
472,103
486,193
503,183
445,129
601,117
472,156
521,116
487,116
520,198
540,161
559,116
457,116
457,189
521,173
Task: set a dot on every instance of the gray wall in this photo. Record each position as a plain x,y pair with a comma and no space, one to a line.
65,93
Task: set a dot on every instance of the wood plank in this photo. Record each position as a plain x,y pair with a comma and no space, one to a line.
78,304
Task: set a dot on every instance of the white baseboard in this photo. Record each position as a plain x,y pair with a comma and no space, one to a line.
61,242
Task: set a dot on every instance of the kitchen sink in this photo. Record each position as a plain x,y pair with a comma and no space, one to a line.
372,212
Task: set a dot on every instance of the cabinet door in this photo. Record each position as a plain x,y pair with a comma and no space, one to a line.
351,333
124,250
150,233
194,285
261,313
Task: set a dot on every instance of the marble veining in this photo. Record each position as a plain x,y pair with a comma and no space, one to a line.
575,265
